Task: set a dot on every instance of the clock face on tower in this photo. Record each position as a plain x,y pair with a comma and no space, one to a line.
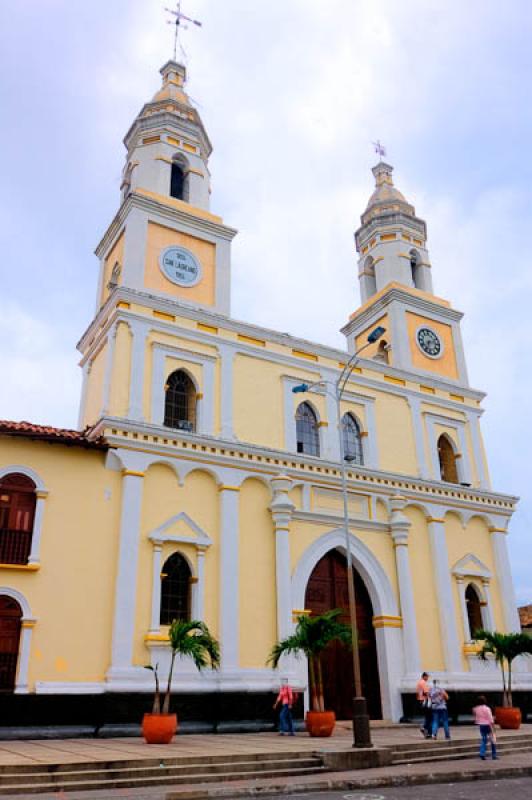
429,342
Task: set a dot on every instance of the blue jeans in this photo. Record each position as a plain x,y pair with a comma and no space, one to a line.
485,734
440,718
285,719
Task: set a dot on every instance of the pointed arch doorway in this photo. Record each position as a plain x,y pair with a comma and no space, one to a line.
327,589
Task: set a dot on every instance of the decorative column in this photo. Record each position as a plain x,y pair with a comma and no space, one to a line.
27,625
227,355
136,378
109,364
460,582
399,527
85,371
229,577
281,509
504,578
474,429
199,594
444,594
35,552
155,624
331,446
419,439
487,608
126,579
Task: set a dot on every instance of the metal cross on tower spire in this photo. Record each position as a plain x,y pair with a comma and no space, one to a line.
179,19
379,148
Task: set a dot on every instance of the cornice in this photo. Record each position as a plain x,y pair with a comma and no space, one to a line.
118,433
395,219
162,119
322,518
109,314
150,205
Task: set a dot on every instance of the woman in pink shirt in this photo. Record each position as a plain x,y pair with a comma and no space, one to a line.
286,699
484,719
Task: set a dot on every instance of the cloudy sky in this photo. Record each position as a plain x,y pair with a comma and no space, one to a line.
292,93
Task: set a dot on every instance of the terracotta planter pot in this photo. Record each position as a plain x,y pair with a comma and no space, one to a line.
508,718
320,723
159,728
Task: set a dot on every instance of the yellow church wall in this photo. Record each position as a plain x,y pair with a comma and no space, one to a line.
395,435
160,237
425,599
475,538
71,639
258,624
94,399
119,397
446,364
258,401
115,254
163,499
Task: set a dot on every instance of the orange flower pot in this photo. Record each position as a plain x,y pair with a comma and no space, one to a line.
159,728
508,718
320,723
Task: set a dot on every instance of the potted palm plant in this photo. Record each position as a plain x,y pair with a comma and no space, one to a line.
310,638
505,647
186,638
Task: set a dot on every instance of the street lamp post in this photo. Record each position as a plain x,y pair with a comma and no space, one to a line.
361,728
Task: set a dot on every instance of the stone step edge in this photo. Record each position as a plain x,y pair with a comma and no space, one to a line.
349,783
160,780
168,761
172,769
456,757
449,750
526,737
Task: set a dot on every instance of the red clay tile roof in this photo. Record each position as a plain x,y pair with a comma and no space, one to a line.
525,615
49,434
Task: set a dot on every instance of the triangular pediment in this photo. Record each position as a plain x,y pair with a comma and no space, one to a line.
471,567
181,528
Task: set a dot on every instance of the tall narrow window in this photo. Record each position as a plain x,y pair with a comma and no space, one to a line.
179,179
474,610
180,402
17,513
352,439
175,590
414,261
447,458
307,434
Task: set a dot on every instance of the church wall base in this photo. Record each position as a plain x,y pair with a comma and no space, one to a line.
461,703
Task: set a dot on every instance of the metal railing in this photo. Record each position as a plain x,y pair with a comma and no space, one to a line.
15,546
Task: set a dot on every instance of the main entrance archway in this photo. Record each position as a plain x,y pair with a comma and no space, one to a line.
10,624
327,589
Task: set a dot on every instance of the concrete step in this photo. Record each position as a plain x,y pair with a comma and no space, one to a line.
456,755
424,743
54,778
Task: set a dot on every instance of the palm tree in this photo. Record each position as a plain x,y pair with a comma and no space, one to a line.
504,647
311,637
187,638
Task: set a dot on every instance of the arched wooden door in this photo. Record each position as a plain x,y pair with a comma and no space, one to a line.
10,623
327,589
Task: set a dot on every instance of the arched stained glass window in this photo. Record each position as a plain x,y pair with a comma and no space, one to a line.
352,439
307,433
180,402
447,458
175,590
474,610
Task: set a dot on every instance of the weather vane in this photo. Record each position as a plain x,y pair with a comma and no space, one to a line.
379,148
179,20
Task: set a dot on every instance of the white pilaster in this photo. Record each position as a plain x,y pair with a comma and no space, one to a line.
155,623
504,578
109,364
444,594
460,583
474,428
281,509
198,597
227,355
371,453
487,609
399,527
126,579
21,684
35,552
419,438
229,583
85,370
136,379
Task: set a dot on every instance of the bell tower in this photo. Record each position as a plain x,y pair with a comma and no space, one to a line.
164,240
395,276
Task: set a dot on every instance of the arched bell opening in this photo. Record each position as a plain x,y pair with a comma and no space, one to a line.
327,589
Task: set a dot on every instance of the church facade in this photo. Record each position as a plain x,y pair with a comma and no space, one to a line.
200,485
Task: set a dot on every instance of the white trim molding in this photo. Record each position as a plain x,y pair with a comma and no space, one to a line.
41,493
463,464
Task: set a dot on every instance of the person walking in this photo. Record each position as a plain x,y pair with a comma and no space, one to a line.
440,717
423,697
286,699
484,720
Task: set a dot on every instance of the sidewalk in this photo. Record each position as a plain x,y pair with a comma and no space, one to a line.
77,751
